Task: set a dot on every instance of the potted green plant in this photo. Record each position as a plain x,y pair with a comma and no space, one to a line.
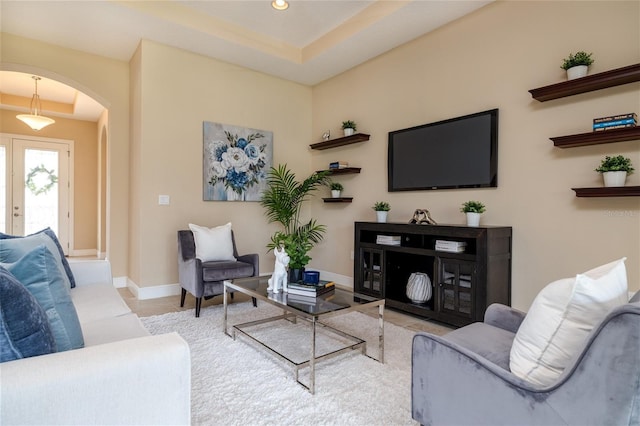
382,209
336,189
577,65
283,201
615,170
349,127
473,210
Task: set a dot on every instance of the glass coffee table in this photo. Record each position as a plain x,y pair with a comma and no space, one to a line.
311,310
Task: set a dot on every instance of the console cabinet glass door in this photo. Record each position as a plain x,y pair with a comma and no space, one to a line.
456,281
372,272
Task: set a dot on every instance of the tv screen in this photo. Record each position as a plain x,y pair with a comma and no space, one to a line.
460,152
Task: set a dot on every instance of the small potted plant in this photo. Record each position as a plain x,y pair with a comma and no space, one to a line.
577,65
473,210
349,127
336,188
615,170
382,209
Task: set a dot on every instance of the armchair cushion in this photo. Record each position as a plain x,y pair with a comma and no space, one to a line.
560,319
213,244
220,271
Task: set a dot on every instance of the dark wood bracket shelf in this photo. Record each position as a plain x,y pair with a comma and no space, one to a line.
596,138
615,191
611,78
347,140
338,200
344,171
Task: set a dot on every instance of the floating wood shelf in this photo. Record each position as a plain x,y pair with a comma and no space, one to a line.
338,200
596,138
343,171
347,140
611,78
612,191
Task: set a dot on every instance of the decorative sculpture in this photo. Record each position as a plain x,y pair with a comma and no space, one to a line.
422,216
326,135
278,280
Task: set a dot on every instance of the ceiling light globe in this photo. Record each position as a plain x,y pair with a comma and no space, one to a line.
280,4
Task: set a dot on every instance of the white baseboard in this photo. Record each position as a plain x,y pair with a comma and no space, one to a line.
340,280
153,292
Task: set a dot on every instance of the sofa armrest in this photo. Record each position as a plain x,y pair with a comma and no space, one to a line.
87,272
252,259
138,381
504,317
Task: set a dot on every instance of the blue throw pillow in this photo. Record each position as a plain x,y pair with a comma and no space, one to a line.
24,328
38,271
13,247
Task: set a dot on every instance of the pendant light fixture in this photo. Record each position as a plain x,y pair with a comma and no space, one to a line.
34,119
280,4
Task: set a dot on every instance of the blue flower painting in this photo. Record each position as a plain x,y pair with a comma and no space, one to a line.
236,161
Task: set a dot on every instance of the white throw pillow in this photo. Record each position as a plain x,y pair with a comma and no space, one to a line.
213,244
561,318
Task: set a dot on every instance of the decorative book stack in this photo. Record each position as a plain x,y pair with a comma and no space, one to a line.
451,246
338,165
389,240
311,290
615,122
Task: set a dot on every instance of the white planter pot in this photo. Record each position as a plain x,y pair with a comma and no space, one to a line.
348,132
473,219
577,72
335,193
614,178
382,216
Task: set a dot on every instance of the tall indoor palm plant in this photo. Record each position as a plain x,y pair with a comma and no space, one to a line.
283,200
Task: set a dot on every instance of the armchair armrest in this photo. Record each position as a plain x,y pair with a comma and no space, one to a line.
253,259
87,272
137,381
504,317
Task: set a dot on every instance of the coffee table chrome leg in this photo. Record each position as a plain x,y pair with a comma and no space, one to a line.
224,302
312,358
381,332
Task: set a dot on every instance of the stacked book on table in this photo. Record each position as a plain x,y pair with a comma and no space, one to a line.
311,290
389,240
451,246
612,122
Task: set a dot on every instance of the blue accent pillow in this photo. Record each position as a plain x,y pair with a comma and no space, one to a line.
13,247
24,328
38,271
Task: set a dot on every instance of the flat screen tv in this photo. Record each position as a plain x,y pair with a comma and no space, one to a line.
460,152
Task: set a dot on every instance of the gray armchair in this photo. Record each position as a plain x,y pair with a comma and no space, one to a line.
464,378
205,279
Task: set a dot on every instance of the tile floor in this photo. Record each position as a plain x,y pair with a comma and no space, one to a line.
163,305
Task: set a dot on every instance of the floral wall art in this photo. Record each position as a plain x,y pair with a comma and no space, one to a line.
236,161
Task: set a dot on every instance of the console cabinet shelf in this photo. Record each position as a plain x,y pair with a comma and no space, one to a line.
596,138
347,140
463,284
603,80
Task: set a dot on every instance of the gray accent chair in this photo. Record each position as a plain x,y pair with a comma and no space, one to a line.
205,279
463,377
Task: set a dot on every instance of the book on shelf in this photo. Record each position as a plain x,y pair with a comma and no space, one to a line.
338,165
391,240
614,123
451,246
620,126
629,115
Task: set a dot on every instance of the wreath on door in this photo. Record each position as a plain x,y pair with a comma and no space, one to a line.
41,175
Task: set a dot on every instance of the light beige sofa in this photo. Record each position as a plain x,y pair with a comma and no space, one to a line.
123,375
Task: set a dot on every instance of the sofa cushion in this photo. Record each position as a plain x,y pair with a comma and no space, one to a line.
13,247
38,271
24,327
98,301
114,329
213,244
561,318
219,271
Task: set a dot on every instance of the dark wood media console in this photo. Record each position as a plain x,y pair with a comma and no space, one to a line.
464,284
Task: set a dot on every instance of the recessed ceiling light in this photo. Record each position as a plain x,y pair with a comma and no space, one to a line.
280,4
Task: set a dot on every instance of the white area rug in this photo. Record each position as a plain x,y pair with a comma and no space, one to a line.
234,383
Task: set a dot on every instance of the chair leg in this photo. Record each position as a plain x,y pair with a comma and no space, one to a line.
182,296
255,302
231,296
198,305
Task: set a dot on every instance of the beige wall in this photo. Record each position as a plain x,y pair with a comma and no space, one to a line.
491,59
107,81
84,135
173,92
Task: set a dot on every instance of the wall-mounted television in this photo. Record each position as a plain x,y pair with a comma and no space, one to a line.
460,152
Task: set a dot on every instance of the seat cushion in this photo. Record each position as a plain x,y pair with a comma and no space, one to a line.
114,329
219,271
490,342
98,301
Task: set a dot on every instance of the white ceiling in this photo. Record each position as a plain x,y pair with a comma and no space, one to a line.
308,43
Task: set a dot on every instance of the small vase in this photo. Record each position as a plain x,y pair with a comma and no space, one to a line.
348,131
577,72
473,219
614,178
381,216
296,275
335,193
